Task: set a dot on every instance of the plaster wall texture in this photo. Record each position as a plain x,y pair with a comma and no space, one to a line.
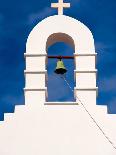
36,128
35,80
81,80
84,62
35,63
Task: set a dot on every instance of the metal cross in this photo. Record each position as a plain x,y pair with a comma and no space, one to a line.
60,5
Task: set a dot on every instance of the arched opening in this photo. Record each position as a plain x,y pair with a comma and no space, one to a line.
59,37
60,44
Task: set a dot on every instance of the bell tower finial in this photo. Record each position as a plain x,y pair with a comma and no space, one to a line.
60,5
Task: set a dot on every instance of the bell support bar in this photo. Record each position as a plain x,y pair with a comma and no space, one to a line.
61,57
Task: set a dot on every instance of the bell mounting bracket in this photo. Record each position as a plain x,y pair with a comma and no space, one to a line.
60,57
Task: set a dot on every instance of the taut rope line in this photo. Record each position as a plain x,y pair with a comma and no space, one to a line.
113,145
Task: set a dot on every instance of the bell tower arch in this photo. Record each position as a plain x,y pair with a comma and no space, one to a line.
59,37
50,30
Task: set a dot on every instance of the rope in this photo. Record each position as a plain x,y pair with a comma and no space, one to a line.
113,145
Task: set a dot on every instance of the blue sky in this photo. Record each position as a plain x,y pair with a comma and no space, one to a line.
17,18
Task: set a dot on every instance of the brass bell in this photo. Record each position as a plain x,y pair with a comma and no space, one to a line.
60,68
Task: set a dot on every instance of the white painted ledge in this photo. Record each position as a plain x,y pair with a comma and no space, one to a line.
86,71
61,103
34,55
86,89
85,54
35,89
35,72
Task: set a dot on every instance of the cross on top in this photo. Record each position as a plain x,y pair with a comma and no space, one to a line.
60,5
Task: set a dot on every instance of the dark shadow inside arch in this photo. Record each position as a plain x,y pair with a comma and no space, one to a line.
58,90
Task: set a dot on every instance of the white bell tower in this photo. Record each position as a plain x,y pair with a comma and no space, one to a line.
62,128
56,29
